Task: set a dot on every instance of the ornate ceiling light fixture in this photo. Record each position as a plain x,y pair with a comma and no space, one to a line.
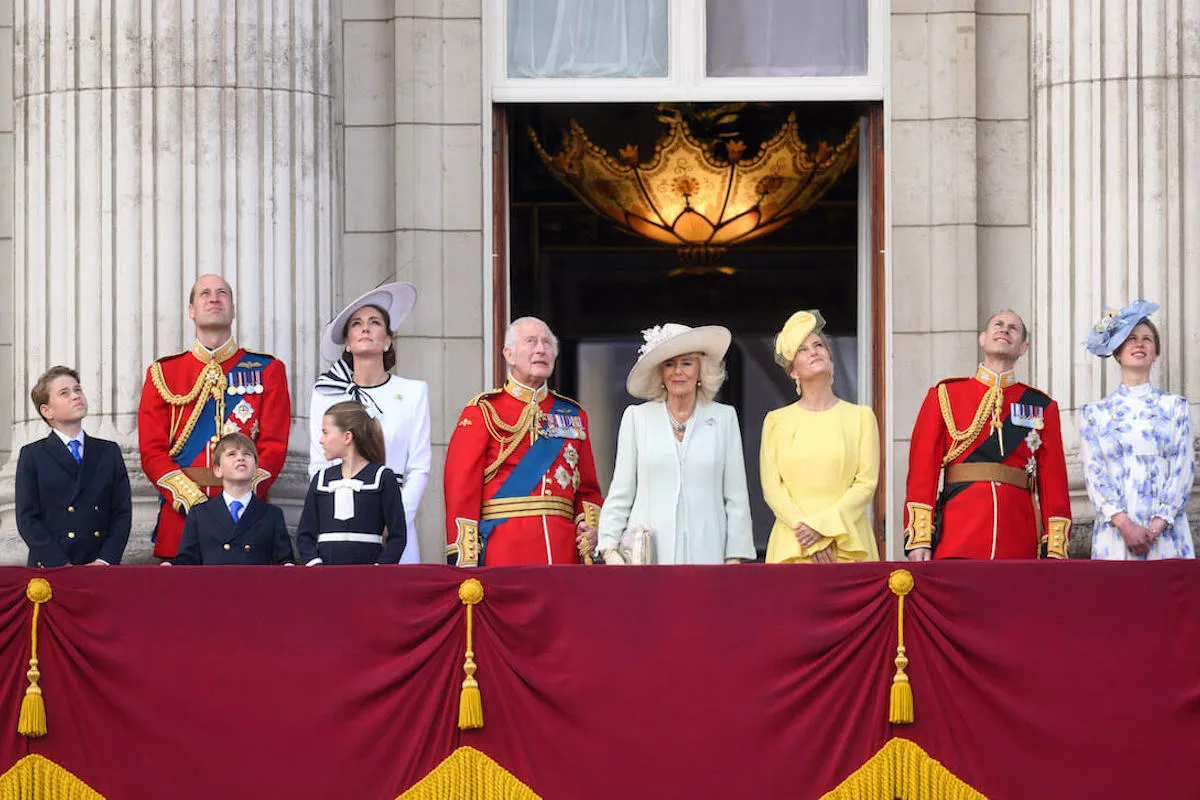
700,196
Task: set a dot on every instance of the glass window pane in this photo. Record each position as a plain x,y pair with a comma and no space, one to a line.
587,38
787,38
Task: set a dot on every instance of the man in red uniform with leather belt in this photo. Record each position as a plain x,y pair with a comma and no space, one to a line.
996,447
520,482
191,399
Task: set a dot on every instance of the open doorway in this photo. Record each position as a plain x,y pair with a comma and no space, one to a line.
598,287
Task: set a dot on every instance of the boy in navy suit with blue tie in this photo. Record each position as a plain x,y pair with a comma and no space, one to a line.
235,527
72,503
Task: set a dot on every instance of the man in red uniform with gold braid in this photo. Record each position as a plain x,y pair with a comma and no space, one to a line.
191,399
999,444
520,481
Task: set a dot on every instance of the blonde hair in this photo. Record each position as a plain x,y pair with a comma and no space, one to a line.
364,430
712,377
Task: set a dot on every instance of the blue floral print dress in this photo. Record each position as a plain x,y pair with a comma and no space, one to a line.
1136,446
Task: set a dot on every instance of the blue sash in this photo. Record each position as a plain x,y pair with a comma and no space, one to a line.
528,471
206,424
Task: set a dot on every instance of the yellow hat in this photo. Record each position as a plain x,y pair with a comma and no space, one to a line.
799,327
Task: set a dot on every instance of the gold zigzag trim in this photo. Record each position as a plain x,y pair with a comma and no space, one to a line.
468,774
35,777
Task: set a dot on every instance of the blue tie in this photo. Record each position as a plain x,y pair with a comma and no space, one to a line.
235,508
76,449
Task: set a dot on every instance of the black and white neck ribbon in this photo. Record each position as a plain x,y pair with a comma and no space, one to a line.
340,380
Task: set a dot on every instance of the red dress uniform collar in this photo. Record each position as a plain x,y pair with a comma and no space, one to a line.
220,355
526,394
989,378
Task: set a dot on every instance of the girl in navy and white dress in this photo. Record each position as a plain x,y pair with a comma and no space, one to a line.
354,513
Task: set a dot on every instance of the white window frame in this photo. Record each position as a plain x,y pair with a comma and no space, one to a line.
686,80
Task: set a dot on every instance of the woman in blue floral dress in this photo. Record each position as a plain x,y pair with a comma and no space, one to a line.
1136,446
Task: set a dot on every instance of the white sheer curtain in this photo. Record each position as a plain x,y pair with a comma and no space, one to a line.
587,38
787,38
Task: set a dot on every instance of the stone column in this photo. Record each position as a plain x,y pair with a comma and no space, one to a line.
1116,190
934,164
155,142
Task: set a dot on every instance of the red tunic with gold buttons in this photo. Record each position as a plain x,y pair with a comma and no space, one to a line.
519,476
192,399
987,419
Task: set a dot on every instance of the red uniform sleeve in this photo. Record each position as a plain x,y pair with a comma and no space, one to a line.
589,486
154,423
926,450
463,486
275,425
1053,495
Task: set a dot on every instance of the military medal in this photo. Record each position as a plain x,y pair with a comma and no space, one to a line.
243,411
1026,416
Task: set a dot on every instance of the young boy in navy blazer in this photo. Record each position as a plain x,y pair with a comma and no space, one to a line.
235,527
72,503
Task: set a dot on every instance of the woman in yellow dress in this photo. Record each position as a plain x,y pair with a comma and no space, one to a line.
819,458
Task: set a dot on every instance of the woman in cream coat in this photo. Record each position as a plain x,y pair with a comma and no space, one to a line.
680,470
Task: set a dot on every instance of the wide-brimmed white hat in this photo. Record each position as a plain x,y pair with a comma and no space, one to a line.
397,299
671,340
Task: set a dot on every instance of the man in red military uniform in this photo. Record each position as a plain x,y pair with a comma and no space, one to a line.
520,481
996,447
191,399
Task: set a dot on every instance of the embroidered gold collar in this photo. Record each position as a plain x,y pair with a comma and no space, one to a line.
989,378
220,355
525,393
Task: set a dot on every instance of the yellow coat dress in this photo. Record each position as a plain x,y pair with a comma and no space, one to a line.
820,468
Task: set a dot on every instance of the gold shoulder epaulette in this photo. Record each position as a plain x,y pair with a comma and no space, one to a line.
474,401
955,379
171,357
570,400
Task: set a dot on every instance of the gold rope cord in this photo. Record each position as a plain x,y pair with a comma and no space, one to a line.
211,380
992,405
509,436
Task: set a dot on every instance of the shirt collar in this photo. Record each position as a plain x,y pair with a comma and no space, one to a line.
989,378
526,394
65,439
220,355
244,499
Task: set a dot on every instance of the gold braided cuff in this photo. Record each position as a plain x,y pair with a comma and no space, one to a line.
590,515
184,491
919,532
1057,537
466,546
259,476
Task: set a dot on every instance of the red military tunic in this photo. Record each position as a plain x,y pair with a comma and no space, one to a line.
190,400
982,516
535,525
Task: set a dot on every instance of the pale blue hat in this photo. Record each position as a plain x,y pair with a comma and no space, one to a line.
1115,326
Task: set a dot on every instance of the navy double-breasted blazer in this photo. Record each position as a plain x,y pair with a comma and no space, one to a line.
210,536
68,512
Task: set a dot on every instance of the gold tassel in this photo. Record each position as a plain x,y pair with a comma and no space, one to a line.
32,722
470,701
900,711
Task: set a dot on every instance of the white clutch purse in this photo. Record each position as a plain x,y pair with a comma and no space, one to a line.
636,547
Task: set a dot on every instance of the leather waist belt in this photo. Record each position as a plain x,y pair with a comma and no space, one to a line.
1000,473
361,538
202,476
532,506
